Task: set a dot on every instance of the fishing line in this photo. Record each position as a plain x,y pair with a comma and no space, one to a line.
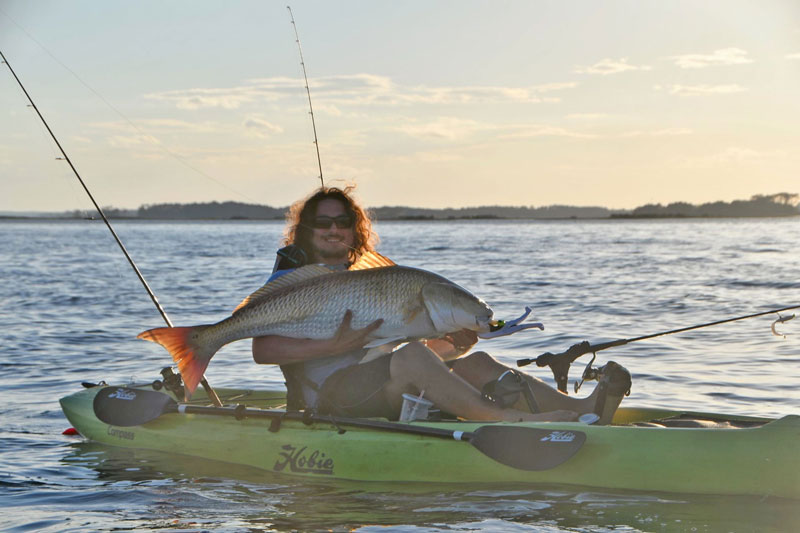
150,292
308,92
150,138
559,363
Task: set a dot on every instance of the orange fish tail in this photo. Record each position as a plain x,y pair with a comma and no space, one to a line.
189,357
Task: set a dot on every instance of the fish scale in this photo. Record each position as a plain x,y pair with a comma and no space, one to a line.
311,302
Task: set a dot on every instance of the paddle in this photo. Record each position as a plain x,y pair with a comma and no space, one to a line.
524,448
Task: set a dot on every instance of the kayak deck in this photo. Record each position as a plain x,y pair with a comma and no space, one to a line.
645,449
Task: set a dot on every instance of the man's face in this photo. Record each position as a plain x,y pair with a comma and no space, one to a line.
331,243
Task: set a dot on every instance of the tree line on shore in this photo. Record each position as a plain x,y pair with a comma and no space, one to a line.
773,205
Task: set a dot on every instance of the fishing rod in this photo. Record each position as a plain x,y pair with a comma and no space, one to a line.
211,394
559,363
308,92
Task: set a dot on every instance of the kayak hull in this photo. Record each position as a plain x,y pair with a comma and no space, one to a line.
758,458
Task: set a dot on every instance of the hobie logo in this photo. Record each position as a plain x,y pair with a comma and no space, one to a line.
299,460
559,436
122,394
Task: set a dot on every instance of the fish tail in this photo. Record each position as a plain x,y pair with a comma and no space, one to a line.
191,357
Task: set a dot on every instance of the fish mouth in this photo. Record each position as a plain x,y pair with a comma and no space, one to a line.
485,324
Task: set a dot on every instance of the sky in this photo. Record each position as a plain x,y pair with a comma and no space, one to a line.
418,103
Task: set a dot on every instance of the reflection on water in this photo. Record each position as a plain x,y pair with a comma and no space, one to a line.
177,492
72,309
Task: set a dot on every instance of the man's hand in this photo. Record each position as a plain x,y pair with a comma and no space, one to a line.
453,344
462,340
348,339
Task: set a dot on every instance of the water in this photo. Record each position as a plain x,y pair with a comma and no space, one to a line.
71,309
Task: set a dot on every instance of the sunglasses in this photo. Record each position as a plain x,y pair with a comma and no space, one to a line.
325,222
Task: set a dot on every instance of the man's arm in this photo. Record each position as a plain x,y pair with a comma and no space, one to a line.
278,350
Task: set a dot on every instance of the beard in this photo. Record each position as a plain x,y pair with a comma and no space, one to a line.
335,251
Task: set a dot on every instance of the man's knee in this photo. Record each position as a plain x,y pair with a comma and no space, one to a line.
413,354
475,360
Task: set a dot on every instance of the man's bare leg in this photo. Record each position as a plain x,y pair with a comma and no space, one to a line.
414,368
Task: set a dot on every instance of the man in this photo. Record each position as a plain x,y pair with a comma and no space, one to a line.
330,228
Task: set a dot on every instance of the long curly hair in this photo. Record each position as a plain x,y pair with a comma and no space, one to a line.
300,220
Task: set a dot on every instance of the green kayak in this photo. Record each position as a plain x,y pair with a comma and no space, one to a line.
644,449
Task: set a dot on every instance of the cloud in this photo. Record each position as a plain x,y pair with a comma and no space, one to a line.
446,128
121,141
557,86
260,127
331,110
545,130
355,89
453,129
161,125
793,56
724,56
666,132
587,116
204,98
735,154
608,66
695,90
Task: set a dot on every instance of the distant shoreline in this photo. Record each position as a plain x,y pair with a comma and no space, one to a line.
760,206
616,217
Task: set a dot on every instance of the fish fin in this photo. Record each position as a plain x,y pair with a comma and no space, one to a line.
371,260
293,277
186,354
380,342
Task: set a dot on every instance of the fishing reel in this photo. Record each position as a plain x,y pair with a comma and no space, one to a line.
170,381
560,363
589,374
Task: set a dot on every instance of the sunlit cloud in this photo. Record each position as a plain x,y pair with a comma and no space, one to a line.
558,86
545,130
229,97
608,66
330,110
793,56
667,132
353,90
448,156
697,90
724,56
735,155
260,127
445,128
131,141
587,116
161,125
456,129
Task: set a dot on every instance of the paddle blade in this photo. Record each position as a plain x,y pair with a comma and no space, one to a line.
121,406
528,448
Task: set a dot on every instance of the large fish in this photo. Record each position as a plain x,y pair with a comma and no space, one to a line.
310,303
